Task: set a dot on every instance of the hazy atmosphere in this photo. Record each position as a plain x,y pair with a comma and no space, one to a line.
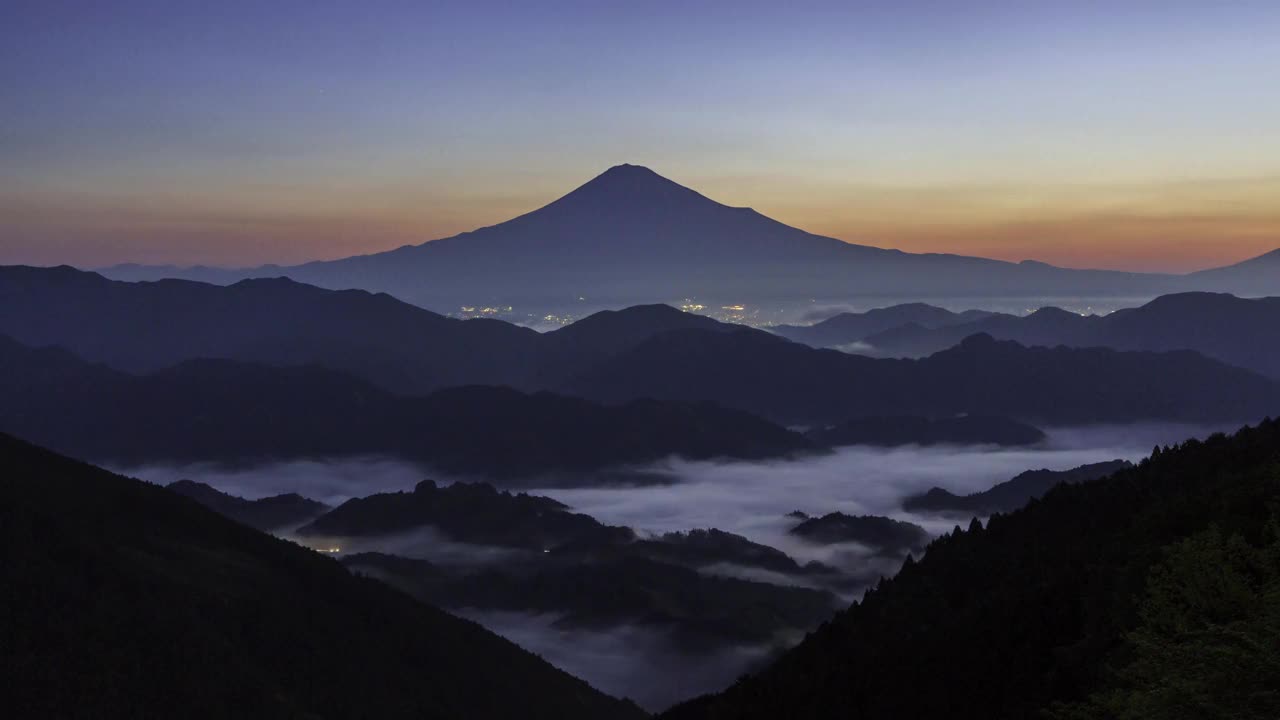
1134,135
663,361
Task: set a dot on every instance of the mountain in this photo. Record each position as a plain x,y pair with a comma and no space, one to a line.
644,351
632,236
1234,330
144,327
471,513
794,384
885,535
148,326
269,513
848,328
1010,494
1255,276
914,430
130,600
700,612
1101,600
224,411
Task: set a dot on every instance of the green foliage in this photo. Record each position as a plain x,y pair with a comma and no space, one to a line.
1208,645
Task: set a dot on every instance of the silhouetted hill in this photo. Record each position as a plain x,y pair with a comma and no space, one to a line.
218,410
1010,494
630,235
1255,276
699,611
266,513
119,598
914,430
792,383
1234,330
473,513
846,328
144,327
1113,592
883,534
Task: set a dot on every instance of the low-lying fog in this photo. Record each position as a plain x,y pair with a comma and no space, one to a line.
747,498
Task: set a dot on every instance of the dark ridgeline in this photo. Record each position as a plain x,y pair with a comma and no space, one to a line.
914,430
632,236
847,327
472,513
591,575
652,351
1237,331
1146,594
792,383
220,410
1010,494
119,598
697,612
269,513
884,535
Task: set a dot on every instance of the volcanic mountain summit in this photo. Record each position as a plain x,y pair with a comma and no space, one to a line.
630,235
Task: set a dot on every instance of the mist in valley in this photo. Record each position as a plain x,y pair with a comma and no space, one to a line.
751,499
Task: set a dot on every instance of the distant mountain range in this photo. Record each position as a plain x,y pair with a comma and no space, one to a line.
227,411
1239,331
794,384
632,236
353,351
122,599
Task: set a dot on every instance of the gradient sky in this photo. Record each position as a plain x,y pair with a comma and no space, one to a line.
1141,135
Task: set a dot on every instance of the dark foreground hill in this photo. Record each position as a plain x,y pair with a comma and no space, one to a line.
1147,594
122,599
224,411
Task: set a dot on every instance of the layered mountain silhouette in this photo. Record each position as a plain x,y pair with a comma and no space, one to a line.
587,573
1103,599
1010,494
847,328
124,599
630,235
268,513
792,383
1238,331
225,411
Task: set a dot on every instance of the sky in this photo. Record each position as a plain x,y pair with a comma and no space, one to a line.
1138,135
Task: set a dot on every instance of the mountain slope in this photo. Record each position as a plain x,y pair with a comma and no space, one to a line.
1006,620
1010,494
223,411
143,327
125,598
794,384
1235,330
630,235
